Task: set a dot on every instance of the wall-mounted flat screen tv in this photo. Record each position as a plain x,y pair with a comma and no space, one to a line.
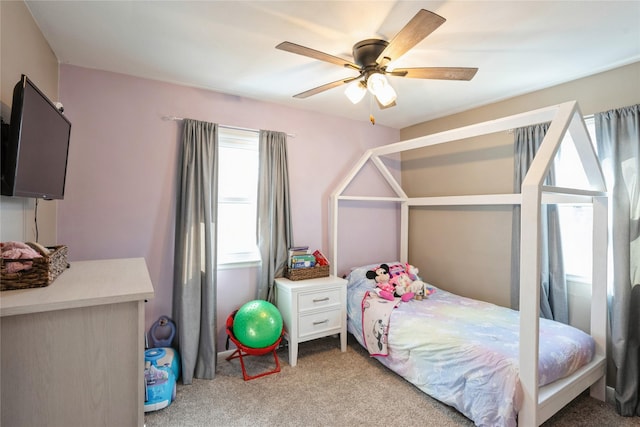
36,148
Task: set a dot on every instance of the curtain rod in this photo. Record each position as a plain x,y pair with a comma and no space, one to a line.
179,119
586,118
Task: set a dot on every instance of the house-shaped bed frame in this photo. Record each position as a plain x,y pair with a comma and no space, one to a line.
539,403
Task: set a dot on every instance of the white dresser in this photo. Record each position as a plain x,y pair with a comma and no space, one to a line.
312,309
73,352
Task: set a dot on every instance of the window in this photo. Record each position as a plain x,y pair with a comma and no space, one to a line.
575,221
237,195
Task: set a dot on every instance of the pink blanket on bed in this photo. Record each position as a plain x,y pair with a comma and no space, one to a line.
376,313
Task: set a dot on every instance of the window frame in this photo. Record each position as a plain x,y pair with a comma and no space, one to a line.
239,139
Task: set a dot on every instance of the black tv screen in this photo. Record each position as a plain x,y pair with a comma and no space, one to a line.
35,152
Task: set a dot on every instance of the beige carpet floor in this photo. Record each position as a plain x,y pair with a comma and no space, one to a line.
332,388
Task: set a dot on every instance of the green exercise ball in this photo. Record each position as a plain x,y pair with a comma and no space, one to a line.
257,324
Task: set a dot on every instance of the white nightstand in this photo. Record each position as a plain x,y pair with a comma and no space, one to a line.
312,309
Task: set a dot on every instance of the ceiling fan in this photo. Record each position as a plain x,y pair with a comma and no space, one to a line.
371,59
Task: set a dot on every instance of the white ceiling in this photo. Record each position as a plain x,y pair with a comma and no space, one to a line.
229,46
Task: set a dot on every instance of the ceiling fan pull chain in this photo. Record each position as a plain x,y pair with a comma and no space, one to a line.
371,118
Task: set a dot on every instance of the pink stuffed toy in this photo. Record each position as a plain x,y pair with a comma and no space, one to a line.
381,276
417,286
405,288
391,282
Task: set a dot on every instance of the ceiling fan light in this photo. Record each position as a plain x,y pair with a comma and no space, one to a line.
387,95
376,83
379,86
355,91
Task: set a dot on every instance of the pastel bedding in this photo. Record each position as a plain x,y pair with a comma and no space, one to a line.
464,352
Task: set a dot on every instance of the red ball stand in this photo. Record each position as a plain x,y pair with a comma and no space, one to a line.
243,350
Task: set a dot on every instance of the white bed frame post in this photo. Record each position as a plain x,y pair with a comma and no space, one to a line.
529,303
333,233
599,293
404,232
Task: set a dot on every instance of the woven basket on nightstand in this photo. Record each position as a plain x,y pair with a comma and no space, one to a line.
306,273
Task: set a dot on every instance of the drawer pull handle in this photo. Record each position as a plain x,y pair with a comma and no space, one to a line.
321,322
321,299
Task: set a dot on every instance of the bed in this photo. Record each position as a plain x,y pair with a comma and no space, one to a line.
535,393
459,350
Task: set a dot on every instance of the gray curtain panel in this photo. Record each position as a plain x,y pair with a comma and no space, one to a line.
194,284
553,286
618,140
274,211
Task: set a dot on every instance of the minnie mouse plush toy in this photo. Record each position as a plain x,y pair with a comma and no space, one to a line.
381,276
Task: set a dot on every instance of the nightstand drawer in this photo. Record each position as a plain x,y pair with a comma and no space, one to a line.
319,322
325,298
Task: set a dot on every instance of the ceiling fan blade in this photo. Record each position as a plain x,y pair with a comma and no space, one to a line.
324,87
438,73
420,26
315,54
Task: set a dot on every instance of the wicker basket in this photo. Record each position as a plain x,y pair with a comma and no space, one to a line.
42,273
306,273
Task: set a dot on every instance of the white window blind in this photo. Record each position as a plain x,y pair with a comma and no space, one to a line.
237,195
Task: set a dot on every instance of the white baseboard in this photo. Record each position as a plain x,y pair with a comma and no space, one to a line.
224,354
610,395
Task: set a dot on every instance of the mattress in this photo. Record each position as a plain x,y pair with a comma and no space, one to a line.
464,352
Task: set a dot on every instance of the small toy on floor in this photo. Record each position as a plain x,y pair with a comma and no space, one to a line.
161,366
162,369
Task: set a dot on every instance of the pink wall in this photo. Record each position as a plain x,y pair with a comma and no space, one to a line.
120,195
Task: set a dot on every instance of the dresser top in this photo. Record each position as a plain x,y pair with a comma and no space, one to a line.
84,284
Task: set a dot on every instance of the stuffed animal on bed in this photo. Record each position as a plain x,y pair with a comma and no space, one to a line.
397,269
419,287
385,277
412,271
406,288
381,276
